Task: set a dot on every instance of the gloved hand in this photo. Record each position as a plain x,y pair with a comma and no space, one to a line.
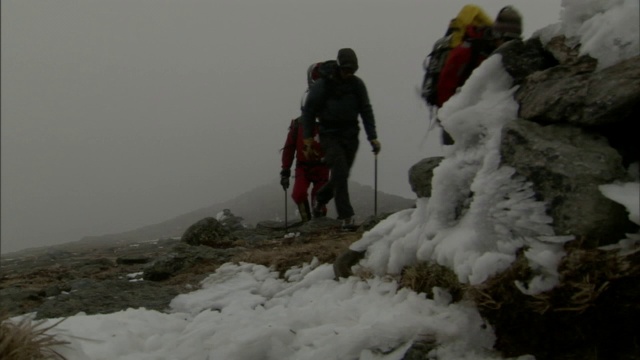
307,149
375,146
284,178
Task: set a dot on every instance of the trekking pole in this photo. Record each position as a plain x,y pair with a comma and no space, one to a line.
285,209
375,185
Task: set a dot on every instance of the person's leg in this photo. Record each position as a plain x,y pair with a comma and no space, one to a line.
299,193
332,151
319,176
340,176
304,210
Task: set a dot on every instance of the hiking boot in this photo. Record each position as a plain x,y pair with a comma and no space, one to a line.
318,210
349,224
303,209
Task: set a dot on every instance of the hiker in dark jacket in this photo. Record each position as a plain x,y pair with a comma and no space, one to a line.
337,102
478,43
309,169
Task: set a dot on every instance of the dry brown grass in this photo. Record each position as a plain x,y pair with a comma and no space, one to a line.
424,276
27,340
284,254
592,314
594,309
279,254
500,289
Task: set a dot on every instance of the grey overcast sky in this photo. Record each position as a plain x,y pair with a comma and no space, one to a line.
118,114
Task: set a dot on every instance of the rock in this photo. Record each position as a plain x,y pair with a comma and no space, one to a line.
421,348
130,260
552,96
569,94
13,299
208,232
565,165
420,175
523,58
183,257
230,221
614,94
567,54
344,262
107,297
164,268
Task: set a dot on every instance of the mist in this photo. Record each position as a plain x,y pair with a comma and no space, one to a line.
119,114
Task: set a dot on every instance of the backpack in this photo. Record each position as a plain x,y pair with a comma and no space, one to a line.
435,60
433,65
321,70
328,69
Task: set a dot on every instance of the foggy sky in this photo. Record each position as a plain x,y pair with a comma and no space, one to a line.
124,113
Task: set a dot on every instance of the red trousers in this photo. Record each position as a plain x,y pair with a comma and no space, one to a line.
305,175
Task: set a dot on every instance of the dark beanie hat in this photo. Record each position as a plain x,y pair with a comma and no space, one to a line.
347,59
508,23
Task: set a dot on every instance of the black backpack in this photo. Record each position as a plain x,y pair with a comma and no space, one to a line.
328,69
433,65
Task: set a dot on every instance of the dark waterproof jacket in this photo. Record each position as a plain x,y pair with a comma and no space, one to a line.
336,103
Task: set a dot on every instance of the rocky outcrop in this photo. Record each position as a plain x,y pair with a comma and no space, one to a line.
208,232
523,58
576,131
571,94
575,134
565,165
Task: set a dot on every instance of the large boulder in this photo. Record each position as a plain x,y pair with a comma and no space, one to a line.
565,165
576,95
208,232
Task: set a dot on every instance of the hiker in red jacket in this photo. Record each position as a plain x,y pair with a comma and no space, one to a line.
309,170
478,43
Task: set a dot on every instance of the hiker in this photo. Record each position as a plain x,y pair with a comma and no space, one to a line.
309,169
433,63
478,43
336,101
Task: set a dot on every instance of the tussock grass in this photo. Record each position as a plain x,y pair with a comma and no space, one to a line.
594,310
424,276
592,314
28,340
586,275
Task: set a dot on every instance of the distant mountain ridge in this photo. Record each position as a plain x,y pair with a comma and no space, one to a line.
262,203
